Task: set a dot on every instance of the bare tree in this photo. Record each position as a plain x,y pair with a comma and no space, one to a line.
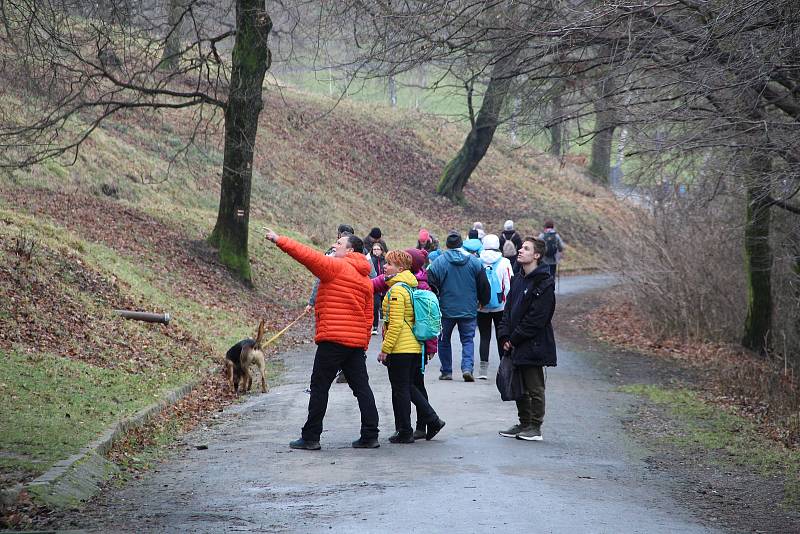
456,173
84,70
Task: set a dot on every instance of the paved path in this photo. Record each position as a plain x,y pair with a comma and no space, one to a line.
586,476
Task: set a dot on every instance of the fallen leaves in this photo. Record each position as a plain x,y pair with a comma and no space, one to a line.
758,388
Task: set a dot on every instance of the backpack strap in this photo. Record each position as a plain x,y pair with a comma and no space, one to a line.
422,343
410,295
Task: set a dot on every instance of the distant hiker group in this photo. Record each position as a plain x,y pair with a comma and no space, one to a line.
416,298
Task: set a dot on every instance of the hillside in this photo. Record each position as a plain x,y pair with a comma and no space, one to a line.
116,231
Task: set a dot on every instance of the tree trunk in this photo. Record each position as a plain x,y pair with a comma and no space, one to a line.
251,59
556,132
796,282
605,123
456,173
392,91
170,60
514,120
758,258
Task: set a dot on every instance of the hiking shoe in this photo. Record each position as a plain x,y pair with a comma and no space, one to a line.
397,437
530,433
512,432
363,443
341,379
483,370
433,429
468,376
306,445
445,376
419,433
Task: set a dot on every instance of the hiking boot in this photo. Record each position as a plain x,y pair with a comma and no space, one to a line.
363,443
306,445
483,371
530,433
512,432
397,437
468,376
433,429
341,379
419,433
445,376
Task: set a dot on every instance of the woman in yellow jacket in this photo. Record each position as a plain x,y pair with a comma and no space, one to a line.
402,353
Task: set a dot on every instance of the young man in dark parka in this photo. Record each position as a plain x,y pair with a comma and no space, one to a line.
526,334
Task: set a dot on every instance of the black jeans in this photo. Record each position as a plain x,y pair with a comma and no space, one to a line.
402,371
485,320
377,299
331,357
419,383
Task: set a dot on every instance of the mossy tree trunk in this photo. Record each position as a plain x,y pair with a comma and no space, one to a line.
758,258
170,59
250,61
605,123
796,284
556,118
456,173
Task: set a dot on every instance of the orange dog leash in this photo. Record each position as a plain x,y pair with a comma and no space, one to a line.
287,327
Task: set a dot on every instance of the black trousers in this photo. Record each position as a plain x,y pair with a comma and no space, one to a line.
485,320
377,299
419,383
402,371
331,357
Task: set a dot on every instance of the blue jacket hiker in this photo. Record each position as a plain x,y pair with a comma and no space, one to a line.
460,282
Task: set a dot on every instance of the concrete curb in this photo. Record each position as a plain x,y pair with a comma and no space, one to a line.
79,477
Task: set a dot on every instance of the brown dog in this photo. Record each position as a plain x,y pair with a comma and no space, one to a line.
241,357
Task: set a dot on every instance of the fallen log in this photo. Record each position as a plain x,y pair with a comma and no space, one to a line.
162,318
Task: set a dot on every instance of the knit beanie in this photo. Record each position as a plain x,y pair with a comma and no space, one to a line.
424,236
418,257
375,233
508,226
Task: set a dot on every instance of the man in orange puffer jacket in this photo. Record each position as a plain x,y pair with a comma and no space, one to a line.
344,319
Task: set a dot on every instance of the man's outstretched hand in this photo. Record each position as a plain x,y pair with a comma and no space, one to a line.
272,236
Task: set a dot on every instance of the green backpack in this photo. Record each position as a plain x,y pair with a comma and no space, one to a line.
427,314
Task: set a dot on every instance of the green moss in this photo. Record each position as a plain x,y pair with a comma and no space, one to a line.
700,425
236,260
53,406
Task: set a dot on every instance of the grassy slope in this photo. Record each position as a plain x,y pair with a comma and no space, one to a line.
63,351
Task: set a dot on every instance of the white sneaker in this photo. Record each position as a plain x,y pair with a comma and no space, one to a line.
483,370
374,331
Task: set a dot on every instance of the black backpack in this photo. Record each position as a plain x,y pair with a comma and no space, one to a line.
550,244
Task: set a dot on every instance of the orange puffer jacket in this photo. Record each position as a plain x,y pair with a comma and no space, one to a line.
344,300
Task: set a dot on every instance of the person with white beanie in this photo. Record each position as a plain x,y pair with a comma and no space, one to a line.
479,227
510,234
499,272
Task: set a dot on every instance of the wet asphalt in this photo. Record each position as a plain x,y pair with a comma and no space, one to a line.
586,476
